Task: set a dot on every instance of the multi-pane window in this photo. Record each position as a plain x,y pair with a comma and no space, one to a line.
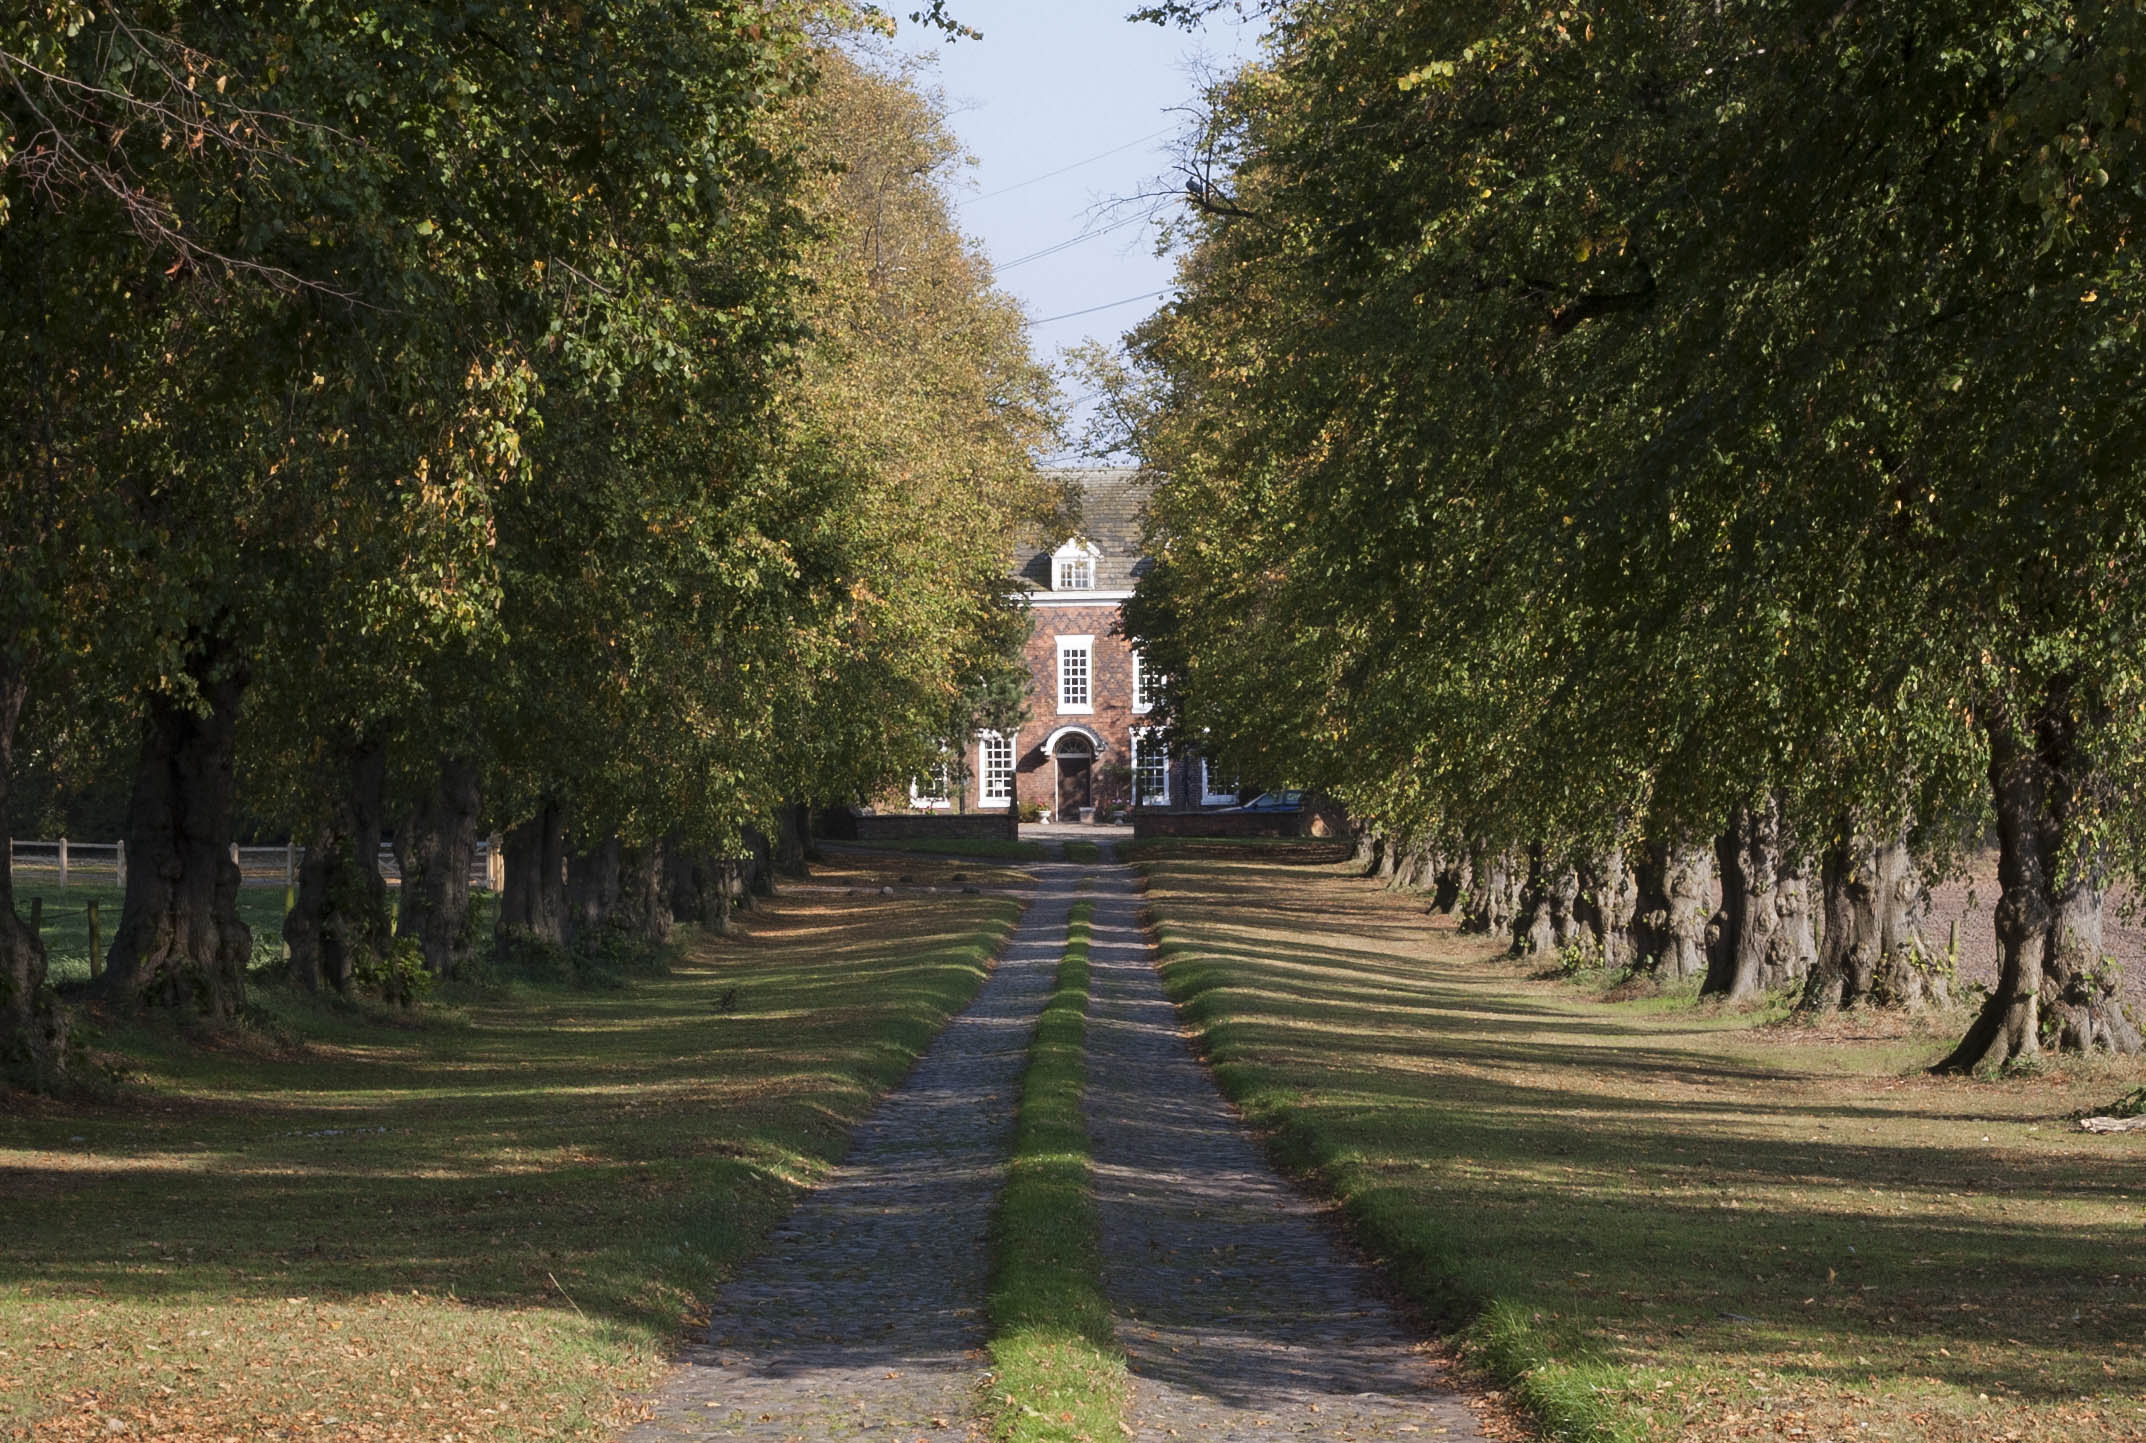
1144,688
1076,573
1076,673
1151,770
995,768
1214,785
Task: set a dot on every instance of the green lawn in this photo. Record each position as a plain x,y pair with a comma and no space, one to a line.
490,1223
1660,1220
66,921
1059,1376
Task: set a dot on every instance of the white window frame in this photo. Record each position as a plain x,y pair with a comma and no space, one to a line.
1142,739
1082,559
942,771
1142,702
984,742
1208,795
1086,646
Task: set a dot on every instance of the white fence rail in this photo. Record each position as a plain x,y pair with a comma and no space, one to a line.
69,863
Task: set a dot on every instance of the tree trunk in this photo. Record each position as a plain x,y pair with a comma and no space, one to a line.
592,889
532,904
1548,922
2052,986
1670,908
1873,953
759,864
1762,936
1494,885
1370,846
340,915
1412,869
1446,884
643,908
179,941
699,885
35,1053
1605,905
435,847
792,838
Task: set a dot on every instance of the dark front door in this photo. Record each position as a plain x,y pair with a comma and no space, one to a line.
1075,784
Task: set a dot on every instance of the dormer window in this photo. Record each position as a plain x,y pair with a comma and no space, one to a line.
1073,566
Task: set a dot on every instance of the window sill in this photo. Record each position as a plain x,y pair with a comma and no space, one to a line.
988,805
1065,710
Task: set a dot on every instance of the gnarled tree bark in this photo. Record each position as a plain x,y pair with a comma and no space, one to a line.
1762,937
435,847
1670,908
180,942
1608,898
340,914
1493,892
1872,952
2050,975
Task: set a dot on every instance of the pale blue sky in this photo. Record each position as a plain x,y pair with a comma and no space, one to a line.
1053,85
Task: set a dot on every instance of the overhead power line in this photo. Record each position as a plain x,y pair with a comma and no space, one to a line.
1106,306
1086,235
1076,165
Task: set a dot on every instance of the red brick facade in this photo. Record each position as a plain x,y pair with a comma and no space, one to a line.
1052,752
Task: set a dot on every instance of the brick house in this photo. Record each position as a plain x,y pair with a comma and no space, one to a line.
1086,749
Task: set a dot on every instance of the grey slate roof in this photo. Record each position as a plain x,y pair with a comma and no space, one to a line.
1107,504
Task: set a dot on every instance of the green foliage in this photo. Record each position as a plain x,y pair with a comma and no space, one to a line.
398,977
1576,425
604,398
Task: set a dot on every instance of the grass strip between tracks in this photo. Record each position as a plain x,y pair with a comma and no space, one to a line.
1059,1374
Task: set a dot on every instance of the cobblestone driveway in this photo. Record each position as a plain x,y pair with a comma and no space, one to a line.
1241,1318
864,1316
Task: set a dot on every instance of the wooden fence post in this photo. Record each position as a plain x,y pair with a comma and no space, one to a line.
96,939
119,862
63,864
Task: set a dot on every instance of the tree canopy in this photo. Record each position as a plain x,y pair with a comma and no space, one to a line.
1581,426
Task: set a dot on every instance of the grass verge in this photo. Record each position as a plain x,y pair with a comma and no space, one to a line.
1086,853
490,1222
1059,1376
1655,1220
66,921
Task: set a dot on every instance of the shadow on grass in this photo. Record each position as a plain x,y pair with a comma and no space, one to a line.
619,1148
1673,1192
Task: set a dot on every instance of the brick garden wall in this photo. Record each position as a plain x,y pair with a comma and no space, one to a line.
1218,824
912,826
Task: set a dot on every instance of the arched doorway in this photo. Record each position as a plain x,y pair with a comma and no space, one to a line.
1074,756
